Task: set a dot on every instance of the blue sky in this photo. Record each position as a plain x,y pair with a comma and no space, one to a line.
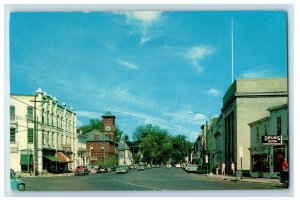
144,67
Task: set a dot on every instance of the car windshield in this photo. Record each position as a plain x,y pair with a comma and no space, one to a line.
12,174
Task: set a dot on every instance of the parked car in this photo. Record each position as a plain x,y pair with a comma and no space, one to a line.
191,168
81,170
168,165
178,165
141,167
122,169
16,184
101,169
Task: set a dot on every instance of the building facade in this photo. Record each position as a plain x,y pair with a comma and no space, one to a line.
124,154
245,101
42,134
269,142
100,144
81,148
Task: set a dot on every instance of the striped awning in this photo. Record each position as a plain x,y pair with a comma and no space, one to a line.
53,158
63,157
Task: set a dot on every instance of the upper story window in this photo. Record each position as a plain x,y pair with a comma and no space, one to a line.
278,126
12,112
257,134
43,137
43,118
266,129
12,135
30,113
30,135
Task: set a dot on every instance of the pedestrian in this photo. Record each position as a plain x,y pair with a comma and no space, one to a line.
284,165
217,169
233,168
223,167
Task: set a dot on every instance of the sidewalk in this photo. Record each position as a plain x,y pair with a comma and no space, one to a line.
244,178
47,174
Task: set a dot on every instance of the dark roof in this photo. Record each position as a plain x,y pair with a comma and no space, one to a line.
101,137
123,146
108,114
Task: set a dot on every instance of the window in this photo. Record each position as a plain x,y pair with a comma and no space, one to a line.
278,126
12,112
30,113
266,129
12,135
92,148
257,134
43,118
30,135
52,138
43,137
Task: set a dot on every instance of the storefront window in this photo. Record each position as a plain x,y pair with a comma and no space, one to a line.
278,156
260,163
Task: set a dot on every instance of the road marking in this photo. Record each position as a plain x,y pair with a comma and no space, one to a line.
154,188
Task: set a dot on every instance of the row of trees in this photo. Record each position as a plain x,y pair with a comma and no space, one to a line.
150,143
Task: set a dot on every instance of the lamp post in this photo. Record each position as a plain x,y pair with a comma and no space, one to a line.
208,139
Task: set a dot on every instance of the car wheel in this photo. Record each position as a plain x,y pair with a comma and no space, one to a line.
21,187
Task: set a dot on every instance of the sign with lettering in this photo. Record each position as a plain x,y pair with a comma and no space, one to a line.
271,139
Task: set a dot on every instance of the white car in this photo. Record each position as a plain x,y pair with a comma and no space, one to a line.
191,168
178,165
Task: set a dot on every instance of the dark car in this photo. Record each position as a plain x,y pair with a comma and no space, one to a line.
81,170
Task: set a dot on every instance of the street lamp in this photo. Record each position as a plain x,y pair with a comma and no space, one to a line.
206,133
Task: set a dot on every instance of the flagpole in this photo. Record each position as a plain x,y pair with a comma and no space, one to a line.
232,68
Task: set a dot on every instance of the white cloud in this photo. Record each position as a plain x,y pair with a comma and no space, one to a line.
128,65
257,73
143,20
197,54
91,115
145,17
213,92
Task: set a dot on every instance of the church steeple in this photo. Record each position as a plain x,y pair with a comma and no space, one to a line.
109,124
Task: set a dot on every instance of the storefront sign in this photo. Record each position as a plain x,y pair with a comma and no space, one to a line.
271,139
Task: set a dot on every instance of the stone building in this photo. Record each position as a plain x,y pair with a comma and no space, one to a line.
245,101
42,134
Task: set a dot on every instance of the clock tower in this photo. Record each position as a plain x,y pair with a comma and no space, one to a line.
109,124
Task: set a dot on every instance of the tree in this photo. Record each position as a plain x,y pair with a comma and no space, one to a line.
155,143
180,148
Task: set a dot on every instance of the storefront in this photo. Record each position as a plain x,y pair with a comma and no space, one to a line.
266,160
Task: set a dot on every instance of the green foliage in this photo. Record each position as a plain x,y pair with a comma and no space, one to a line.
93,124
158,146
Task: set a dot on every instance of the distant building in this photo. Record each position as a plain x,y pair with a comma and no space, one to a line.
101,144
267,156
124,154
81,148
42,134
245,101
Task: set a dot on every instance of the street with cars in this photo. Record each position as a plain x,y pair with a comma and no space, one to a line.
157,178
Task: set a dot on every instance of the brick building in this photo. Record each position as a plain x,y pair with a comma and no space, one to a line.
100,144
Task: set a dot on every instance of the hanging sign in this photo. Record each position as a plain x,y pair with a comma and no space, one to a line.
271,139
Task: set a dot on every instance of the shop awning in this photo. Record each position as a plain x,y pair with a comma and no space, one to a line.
26,159
63,157
53,158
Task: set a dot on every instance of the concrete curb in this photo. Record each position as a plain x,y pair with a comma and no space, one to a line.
244,179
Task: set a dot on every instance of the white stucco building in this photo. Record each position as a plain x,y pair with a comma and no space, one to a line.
124,154
42,134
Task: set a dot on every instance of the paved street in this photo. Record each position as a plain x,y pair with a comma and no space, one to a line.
157,179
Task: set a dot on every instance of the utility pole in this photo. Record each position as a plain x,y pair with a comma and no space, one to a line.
35,137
